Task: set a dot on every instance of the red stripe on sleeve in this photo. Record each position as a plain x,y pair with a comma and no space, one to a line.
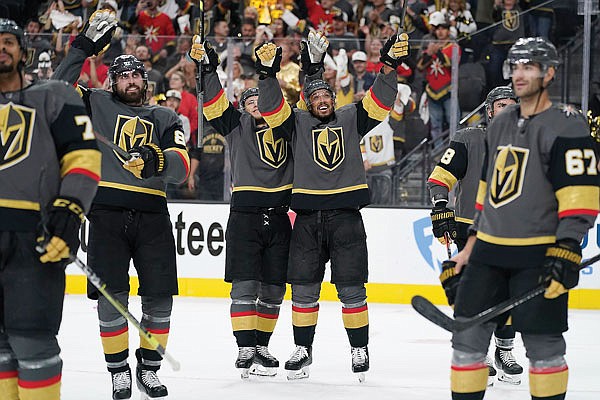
214,99
86,172
577,211
438,182
378,102
275,111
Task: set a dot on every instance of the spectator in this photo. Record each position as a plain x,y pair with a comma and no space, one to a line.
93,72
340,38
189,104
540,19
436,61
373,46
173,101
377,18
279,29
363,80
36,42
187,20
182,48
207,178
511,28
462,24
289,75
320,14
156,80
246,45
157,27
220,36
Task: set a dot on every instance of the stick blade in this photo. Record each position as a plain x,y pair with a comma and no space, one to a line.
428,310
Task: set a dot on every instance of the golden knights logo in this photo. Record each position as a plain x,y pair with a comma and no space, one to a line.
16,132
132,132
376,143
510,20
272,152
328,147
508,175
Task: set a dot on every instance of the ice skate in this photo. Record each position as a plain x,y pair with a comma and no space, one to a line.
264,362
297,365
149,385
245,360
491,370
360,361
121,384
509,370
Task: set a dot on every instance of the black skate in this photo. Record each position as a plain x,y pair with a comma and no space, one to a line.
297,365
245,360
491,371
509,370
121,384
149,385
360,361
264,362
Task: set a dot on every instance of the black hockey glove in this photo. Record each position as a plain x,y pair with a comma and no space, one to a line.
561,268
268,59
97,33
148,161
394,50
450,279
442,221
59,237
213,59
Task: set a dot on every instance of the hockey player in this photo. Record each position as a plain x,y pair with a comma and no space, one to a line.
129,217
538,197
460,166
329,189
49,172
259,229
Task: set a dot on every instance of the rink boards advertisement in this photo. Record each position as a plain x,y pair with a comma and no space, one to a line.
404,257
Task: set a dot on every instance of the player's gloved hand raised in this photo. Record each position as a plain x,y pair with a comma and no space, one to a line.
394,50
97,32
268,59
204,54
148,161
443,221
450,279
561,267
60,235
312,52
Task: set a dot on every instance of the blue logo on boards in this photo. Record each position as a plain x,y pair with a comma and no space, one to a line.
432,251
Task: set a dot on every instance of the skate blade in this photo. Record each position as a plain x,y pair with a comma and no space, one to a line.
259,370
144,396
299,374
510,379
361,376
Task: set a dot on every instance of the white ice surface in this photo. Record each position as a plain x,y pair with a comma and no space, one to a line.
409,356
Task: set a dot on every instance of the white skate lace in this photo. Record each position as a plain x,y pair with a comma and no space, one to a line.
298,354
264,351
121,381
245,353
507,358
359,355
149,379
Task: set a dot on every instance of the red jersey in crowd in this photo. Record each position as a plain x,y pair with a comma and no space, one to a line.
157,29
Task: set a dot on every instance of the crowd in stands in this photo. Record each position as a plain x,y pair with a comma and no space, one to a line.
158,32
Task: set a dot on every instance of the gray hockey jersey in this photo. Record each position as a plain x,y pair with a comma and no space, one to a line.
540,184
47,149
328,167
128,127
262,166
460,166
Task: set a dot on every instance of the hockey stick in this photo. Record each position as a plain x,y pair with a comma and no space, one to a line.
200,85
101,286
448,249
428,310
102,139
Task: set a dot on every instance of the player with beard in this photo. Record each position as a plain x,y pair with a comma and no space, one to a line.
537,198
329,189
129,219
258,230
49,172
